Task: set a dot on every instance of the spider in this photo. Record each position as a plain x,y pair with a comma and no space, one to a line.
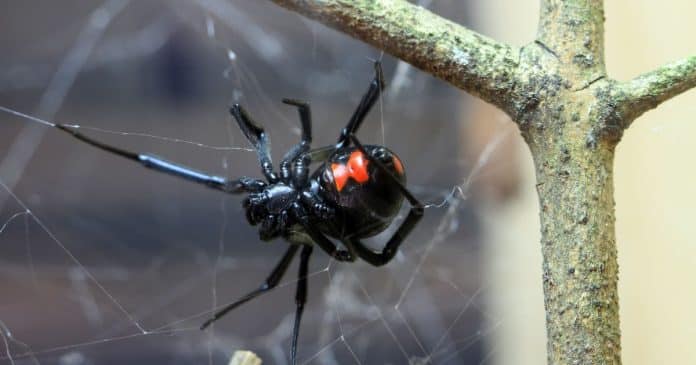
355,193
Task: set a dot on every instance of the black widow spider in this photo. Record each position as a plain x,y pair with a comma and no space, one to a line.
355,193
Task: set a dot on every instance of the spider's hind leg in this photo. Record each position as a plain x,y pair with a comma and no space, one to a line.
414,216
366,103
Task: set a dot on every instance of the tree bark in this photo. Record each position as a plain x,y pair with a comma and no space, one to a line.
572,116
573,165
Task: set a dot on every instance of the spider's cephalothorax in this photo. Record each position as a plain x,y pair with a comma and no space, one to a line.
354,193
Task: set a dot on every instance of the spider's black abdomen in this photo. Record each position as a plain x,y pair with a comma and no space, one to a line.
365,197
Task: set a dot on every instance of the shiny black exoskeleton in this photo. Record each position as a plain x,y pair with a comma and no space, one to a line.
362,193
354,193
343,200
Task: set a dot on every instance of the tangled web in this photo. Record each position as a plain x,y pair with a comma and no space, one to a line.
105,262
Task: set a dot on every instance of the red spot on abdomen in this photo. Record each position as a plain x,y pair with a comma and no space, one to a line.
357,165
340,175
397,165
355,168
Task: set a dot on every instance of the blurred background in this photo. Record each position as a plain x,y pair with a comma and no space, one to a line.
104,262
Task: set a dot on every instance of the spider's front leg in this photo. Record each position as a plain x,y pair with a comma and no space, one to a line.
236,186
258,138
294,168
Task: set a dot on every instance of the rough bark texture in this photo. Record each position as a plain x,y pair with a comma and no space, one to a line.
572,116
573,157
647,91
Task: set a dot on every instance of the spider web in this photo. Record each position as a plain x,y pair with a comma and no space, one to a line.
104,262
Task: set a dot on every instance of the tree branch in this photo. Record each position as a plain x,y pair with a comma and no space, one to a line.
649,90
466,59
574,30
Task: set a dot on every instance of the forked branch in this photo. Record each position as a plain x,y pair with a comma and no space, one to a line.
466,59
649,90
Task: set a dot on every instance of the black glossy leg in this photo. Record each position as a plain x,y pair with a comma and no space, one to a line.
241,185
305,118
329,247
319,154
413,217
270,283
317,205
381,258
258,138
299,176
300,298
368,100
319,238
300,165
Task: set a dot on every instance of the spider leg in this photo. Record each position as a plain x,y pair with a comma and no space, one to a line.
317,205
258,138
329,247
241,185
383,257
321,153
300,165
368,100
270,283
300,299
301,216
286,165
413,217
305,118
